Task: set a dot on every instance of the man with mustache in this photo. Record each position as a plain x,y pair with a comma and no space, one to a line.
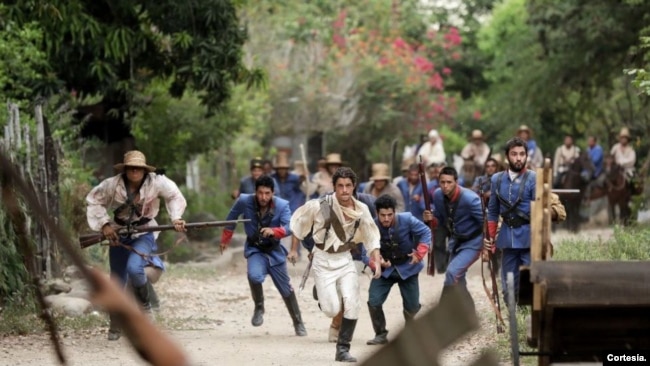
512,192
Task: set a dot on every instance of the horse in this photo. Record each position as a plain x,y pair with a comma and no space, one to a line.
617,189
576,177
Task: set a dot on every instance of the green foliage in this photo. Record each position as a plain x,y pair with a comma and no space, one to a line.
116,48
22,64
13,274
628,243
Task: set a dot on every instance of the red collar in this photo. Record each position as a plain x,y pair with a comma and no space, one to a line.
455,195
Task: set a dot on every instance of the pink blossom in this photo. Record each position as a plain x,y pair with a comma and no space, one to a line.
399,43
453,37
422,64
435,81
446,70
455,56
476,115
338,40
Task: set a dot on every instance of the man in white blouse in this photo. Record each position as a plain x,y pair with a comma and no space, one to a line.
132,197
339,223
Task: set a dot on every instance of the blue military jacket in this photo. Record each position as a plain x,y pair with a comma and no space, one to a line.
466,218
414,200
278,215
512,237
290,190
407,232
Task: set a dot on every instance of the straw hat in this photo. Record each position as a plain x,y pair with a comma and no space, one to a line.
434,134
299,167
333,159
134,158
524,128
625,132
281,161
477,134
380,172
257,163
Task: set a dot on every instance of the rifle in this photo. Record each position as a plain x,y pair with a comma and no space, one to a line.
492,265
431,267
87,240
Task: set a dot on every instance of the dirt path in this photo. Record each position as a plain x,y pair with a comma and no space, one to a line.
207,309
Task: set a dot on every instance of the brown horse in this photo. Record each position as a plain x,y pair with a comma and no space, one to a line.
617,189
577,177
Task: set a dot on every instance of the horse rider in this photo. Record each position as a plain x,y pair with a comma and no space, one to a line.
565,155
624,154
476,149
432,151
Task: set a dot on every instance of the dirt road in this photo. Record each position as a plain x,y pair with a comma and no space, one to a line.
207,309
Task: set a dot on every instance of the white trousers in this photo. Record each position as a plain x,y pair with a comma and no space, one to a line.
336,280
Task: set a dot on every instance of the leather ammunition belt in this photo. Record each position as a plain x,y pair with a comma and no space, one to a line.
343,248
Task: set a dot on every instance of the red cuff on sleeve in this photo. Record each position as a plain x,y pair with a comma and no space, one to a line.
226,236
492,229
279,232
371,264
421,250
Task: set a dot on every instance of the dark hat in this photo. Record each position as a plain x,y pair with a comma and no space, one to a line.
257,163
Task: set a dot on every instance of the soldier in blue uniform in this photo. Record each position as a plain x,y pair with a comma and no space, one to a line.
405,241
512,192
269,223
459,210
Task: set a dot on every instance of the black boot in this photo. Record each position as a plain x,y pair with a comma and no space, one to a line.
143,296
343,343
378,324
153,296
258,298
294,311
114,328
410,315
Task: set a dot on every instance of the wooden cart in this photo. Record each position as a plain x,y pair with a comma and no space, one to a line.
579,309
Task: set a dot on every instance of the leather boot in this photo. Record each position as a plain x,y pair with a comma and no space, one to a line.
258,299
294,311
114,328
378,324
410,315
143,296
153,296
345,337
335,326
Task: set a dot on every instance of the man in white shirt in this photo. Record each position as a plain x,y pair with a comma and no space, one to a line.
432,151
623,153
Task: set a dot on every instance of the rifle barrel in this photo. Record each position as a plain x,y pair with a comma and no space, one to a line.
90,239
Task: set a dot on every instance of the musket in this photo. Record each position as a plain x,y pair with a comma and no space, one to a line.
305,275
87,240
431,267
492,265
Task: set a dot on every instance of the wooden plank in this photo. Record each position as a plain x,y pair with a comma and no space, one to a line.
581,283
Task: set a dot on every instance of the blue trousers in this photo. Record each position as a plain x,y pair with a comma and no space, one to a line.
458,265
409,288
127,265
259,266
511,260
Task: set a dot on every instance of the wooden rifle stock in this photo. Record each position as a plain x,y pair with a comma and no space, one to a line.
87,240
431,266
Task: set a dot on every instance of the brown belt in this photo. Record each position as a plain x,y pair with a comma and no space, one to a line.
343,248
